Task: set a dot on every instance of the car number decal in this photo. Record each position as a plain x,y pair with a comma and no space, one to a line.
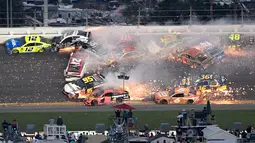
75,61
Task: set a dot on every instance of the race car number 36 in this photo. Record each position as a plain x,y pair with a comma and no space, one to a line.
88,79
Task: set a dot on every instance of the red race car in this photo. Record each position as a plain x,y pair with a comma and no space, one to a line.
106,96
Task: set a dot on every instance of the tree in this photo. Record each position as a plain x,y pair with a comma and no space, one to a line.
17,12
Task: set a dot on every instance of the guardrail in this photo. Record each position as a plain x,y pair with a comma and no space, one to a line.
6,33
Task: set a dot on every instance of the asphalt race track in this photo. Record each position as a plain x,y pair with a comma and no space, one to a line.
154,107
30,78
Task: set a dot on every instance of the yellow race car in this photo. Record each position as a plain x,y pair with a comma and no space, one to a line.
27,44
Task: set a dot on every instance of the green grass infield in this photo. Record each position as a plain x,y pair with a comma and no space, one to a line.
83,121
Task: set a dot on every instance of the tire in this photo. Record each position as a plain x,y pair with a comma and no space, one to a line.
94,103
163,102
15,51
190,102
119,100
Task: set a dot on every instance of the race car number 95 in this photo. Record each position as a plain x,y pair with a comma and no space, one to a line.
88,79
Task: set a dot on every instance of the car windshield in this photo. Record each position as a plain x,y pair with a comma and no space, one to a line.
98,78
80,83
201,58
22,40
74,68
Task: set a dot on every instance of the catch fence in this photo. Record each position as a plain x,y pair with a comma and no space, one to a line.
91,17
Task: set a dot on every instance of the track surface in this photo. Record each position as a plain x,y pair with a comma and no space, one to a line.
78,108
31,78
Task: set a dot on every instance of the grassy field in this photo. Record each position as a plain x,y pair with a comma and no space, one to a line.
88,120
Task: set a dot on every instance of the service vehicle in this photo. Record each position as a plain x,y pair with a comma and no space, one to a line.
28,44
107,96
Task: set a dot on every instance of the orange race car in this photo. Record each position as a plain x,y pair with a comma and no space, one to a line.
178,96
106,96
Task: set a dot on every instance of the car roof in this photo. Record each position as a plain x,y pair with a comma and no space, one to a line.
27,40
193,52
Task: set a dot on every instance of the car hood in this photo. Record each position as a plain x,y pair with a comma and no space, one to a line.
71,88
13,43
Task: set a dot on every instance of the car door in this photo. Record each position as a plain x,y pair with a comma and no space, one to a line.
28,48
108,97
177,98
38,46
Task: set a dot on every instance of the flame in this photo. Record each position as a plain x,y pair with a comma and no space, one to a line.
67,50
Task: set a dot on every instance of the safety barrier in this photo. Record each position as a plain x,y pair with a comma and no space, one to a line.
6,33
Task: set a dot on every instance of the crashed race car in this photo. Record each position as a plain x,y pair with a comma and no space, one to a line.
178,95
73,40
81,88
81,62
211,83
106,96
201,55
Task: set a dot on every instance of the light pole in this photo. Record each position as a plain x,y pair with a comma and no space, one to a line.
124,77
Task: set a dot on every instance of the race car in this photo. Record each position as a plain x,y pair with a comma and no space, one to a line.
179,95
73,40
81,88
237,40
201,55
106,96
81,62
28,44
208,83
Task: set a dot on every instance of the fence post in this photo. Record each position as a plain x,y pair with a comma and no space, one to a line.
87,21
11,24
45,13
139,16
242,15
7,12
190,15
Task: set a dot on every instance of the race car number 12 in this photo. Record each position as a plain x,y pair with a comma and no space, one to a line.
88,79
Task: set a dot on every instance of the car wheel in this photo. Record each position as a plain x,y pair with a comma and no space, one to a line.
119,100
41,50
163,102
15,51
94,103
190,102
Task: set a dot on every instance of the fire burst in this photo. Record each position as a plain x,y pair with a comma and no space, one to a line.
68,50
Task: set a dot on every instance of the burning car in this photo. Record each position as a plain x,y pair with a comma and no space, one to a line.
106,96
179,95
81,88
72,41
